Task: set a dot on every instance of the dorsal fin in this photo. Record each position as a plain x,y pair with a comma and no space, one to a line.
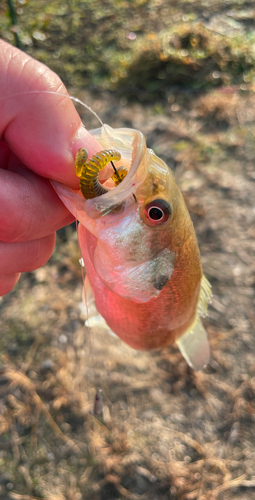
205,297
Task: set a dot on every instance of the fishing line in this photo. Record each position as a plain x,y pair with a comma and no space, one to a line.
75,99
115,171
55,93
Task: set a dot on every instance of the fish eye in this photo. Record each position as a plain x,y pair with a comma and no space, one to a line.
157,212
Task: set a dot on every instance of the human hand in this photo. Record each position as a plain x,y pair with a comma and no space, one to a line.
39,136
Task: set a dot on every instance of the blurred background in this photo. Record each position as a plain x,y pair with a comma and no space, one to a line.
182,72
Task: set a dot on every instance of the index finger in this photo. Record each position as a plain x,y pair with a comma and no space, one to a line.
44,130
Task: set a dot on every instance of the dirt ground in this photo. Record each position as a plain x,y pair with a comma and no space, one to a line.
166,432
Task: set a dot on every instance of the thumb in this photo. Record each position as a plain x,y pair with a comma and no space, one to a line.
44,130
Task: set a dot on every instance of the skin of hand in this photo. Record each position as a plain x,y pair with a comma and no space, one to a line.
39,136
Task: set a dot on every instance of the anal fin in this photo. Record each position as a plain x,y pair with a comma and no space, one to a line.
194,346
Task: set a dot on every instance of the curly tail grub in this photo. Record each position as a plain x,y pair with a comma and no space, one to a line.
88,170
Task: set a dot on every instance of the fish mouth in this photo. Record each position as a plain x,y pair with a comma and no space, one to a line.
114,200
117,201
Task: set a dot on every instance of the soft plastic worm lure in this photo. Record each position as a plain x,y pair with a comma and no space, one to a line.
88,170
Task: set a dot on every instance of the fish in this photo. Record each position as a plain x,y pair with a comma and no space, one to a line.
144,278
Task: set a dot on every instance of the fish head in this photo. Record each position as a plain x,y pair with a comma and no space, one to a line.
140,225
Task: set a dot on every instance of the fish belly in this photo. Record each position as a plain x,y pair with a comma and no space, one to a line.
143,326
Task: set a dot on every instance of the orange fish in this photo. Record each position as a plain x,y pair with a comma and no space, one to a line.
139,247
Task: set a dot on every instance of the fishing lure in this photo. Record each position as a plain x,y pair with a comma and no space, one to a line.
87,171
